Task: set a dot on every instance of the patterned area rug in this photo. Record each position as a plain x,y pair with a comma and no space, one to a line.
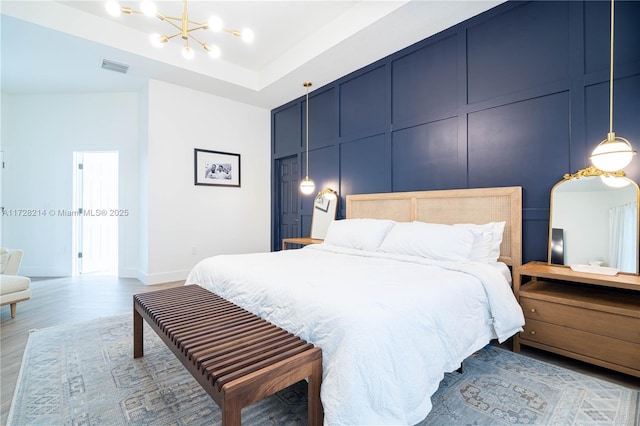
85,374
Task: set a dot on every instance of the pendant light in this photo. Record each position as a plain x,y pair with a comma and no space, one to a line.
614,153
307,186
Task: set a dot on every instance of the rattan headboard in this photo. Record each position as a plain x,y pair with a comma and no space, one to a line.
476,205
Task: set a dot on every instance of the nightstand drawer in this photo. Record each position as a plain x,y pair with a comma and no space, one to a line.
584,343
602,323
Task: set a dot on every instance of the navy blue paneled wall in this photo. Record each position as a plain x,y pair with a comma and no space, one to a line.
515,96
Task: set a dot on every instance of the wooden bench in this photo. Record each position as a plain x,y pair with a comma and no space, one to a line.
236,356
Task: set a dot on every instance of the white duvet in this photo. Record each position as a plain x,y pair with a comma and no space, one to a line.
389,326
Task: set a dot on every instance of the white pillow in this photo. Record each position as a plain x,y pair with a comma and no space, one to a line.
429,240
486,242
360,234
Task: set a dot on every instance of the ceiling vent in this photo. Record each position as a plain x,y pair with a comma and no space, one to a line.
114,66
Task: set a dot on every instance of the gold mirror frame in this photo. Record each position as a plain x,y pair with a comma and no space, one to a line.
581,209
325,208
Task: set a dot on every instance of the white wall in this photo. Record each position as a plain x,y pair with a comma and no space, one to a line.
184,219
155,132
39,134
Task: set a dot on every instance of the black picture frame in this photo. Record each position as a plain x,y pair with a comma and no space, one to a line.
216,168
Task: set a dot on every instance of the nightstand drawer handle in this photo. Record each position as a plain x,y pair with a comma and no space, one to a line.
533,332
533,310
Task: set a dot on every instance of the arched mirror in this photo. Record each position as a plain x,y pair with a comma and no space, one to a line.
325,207
594,221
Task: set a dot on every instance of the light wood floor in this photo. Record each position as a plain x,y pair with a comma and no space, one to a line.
69,300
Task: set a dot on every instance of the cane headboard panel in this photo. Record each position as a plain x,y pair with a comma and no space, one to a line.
476,205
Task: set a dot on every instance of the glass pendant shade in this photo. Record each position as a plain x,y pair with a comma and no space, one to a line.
612,154
307,186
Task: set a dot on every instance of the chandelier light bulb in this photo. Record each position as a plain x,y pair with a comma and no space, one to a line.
247,35
213,50
215,24
149,8
187,52
157,40
113,8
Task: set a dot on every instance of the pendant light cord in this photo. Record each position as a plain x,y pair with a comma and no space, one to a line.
307,127
611,75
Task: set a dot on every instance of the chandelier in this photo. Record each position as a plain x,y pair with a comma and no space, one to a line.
183,24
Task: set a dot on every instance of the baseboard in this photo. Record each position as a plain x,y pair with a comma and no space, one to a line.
129,273
53,271
162,277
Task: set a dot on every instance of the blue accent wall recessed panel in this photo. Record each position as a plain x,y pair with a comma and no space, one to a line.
363,167
425,83
323,118
597,24
323,169
522,48
425,157
524,143
287,130
362,104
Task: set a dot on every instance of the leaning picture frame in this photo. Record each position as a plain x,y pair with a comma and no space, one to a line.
216,168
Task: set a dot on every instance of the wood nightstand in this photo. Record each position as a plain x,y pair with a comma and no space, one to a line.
591,317
300,241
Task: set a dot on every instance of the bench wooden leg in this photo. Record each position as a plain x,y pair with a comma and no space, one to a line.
231,412
316,416
138,348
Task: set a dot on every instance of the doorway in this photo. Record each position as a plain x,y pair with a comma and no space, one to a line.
95,207
288,202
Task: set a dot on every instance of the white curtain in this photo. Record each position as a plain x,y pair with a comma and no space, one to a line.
622,249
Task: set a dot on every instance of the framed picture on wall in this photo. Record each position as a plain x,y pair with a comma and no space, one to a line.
216,168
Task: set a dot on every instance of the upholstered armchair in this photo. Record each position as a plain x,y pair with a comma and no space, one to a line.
13,287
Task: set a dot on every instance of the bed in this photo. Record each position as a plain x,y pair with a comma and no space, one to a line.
399,293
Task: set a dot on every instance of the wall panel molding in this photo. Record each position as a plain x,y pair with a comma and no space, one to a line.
514,96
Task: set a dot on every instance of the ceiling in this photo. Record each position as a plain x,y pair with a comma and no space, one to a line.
58,46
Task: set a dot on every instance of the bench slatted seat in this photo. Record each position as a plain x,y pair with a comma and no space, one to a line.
236,356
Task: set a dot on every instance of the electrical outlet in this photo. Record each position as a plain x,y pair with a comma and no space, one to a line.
194,251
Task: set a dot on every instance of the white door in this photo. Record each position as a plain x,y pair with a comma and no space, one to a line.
96,204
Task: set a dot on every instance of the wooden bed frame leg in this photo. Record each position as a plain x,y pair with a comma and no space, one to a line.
315,405
138,348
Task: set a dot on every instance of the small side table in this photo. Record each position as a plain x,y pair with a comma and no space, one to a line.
300,241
